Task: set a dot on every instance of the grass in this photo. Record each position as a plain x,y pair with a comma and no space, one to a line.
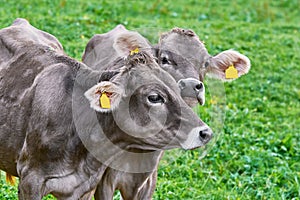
257,155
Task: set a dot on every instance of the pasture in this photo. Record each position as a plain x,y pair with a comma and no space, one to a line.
257,155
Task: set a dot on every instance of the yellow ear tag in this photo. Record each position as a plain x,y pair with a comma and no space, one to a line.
136,50
104,101
231,72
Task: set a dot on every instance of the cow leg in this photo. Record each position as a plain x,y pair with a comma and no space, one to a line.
131,193
88,196
104,192
30,188
146,192
138,192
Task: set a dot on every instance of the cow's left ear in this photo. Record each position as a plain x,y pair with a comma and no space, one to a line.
228,65
105,96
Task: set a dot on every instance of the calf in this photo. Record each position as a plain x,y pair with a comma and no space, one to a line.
60,128
100,50
179,50
182,55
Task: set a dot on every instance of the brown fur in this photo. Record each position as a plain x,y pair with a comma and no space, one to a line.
46,136
180,31
140,58
10,179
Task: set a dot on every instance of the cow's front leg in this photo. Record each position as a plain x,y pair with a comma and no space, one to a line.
104,192
88,196
146,192
140,189
30,187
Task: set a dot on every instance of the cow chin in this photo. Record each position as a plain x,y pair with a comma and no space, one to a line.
191,101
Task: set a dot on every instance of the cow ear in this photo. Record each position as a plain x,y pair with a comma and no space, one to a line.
228,65
104,97
129,43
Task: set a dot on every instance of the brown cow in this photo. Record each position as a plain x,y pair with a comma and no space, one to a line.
182,55
60,128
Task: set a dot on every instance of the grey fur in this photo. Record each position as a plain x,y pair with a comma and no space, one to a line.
44,120
183,55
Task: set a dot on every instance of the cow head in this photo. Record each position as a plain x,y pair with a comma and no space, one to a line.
145,104
100,52
181,52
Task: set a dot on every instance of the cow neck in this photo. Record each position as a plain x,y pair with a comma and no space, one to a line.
121,153
87,77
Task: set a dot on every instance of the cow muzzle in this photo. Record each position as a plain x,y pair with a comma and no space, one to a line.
192,91
197,137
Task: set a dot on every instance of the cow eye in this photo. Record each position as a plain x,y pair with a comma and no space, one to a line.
165,61
206,64
156,98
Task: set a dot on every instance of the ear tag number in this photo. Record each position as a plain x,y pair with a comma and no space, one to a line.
136,50
104,101
231,72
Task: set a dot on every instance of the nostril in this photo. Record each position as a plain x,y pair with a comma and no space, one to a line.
181,84
202,134
205,135
199,86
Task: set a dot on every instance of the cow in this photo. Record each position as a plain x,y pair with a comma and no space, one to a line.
183,55
61,127
99,54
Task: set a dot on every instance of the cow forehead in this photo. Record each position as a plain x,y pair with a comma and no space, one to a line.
187,46
146,74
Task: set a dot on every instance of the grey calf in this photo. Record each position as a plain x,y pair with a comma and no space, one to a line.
182,55
55,129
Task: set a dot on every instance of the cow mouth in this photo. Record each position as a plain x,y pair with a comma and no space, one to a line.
191,101
200,146
196,148
136,150
200,101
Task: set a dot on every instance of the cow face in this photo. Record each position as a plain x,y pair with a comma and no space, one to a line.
181,52
100,52
146,105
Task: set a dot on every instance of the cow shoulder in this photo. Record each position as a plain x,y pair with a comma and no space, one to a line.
21,35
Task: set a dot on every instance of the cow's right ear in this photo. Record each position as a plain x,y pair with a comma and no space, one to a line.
129,43
104,97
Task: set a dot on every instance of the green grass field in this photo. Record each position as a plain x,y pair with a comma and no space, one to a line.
257,155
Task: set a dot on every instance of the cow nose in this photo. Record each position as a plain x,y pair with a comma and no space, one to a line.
192,90
205,135
190,86
198,86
